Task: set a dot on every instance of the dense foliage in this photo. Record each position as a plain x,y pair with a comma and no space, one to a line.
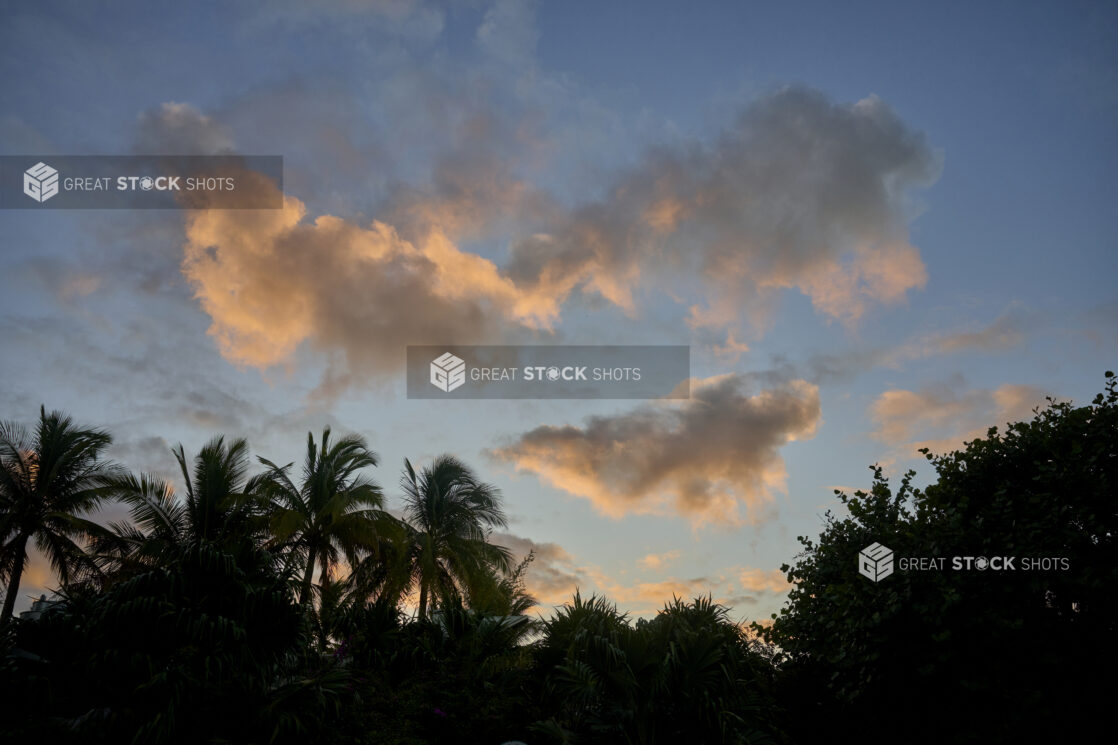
985,654
200,620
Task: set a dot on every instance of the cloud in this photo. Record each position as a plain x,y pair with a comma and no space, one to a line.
657,593
799,193
473,194
555,574
63,279
732,350
703,457
145,454
508,32
271,281
658,561
552,577
732,586
180,129
759,580
1005,332
943,418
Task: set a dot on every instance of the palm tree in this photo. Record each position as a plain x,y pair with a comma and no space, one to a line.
221,507
449,513
221,497
336,510
46,482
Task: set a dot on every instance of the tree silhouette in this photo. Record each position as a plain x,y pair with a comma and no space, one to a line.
979,654
449,512
47,481
221,506
688,675
335,511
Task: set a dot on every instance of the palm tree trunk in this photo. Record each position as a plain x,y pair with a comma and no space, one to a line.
19,557
305,593
422,599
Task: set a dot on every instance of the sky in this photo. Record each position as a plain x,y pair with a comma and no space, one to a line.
878,226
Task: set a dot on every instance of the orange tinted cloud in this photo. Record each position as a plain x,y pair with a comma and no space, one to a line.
704,457
732,350
552,577
942,419
271,280
734,586
759,580
658,593
658,561
881,272
555,575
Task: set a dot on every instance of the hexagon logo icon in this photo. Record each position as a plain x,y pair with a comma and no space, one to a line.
40,182
448,372
875,561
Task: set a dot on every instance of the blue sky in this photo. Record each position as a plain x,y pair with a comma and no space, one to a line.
878,225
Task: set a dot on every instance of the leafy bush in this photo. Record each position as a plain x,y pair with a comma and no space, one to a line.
187,652
688,675
974,656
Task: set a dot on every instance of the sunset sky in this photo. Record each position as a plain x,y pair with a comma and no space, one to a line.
879,226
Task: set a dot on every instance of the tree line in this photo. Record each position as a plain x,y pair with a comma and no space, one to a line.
267,605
